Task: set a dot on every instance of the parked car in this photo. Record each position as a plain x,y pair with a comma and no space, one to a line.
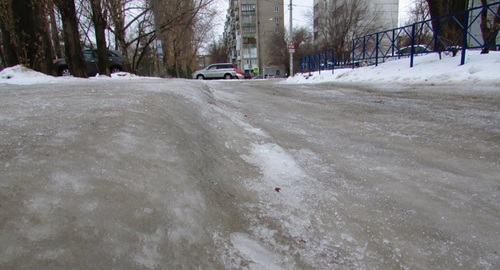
218,71
247,75
90,57
419,49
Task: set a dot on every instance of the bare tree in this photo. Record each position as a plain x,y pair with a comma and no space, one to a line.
217,50
117,11
278,52
304,46
140,44
174,26
343,21
419,11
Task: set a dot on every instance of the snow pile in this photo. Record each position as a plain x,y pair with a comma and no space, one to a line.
427,69
22,75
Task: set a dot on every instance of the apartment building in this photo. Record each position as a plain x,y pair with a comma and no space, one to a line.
387,13
251,27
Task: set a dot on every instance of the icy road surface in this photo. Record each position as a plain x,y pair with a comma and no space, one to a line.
182,174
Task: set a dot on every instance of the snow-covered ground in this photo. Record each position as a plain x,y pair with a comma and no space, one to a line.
373,168
428,69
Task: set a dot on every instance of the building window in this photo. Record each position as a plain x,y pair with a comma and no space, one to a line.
247,8
276,9
249,30
277,20
248,19
249,40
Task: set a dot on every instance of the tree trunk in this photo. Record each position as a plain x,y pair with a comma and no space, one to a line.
72,48
449,31
489,29
33,41
10,57
100,27
56,41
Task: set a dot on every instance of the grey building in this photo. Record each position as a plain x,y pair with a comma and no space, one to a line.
250,29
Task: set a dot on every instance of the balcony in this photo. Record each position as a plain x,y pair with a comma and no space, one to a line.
249,24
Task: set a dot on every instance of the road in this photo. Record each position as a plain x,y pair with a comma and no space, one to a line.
176,174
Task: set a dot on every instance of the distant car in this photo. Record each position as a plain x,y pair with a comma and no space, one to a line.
407,50
247,75
90,57
240,74
218,71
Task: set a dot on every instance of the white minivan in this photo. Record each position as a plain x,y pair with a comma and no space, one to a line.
218,71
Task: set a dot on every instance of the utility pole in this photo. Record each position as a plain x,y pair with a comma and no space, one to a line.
291,40
240,22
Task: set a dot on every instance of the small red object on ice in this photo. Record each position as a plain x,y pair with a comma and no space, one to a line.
277,189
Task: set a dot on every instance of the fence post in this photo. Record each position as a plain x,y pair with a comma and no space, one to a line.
353,53
393,41
412,49
376,50
364,47
464,41
310,63
333,60
319,63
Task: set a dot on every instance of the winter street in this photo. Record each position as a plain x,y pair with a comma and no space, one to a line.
183,174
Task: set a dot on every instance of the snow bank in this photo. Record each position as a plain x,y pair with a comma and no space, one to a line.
427,69
22,75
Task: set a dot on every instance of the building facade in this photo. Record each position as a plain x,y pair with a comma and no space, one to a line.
251,26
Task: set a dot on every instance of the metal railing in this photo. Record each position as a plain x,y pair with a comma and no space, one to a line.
453,33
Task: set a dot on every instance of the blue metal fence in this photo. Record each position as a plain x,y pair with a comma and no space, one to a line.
325,61
456,32
462,32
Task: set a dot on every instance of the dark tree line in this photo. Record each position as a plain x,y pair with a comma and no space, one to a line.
34,32
26,34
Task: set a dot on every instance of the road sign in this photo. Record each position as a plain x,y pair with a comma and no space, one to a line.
291,47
